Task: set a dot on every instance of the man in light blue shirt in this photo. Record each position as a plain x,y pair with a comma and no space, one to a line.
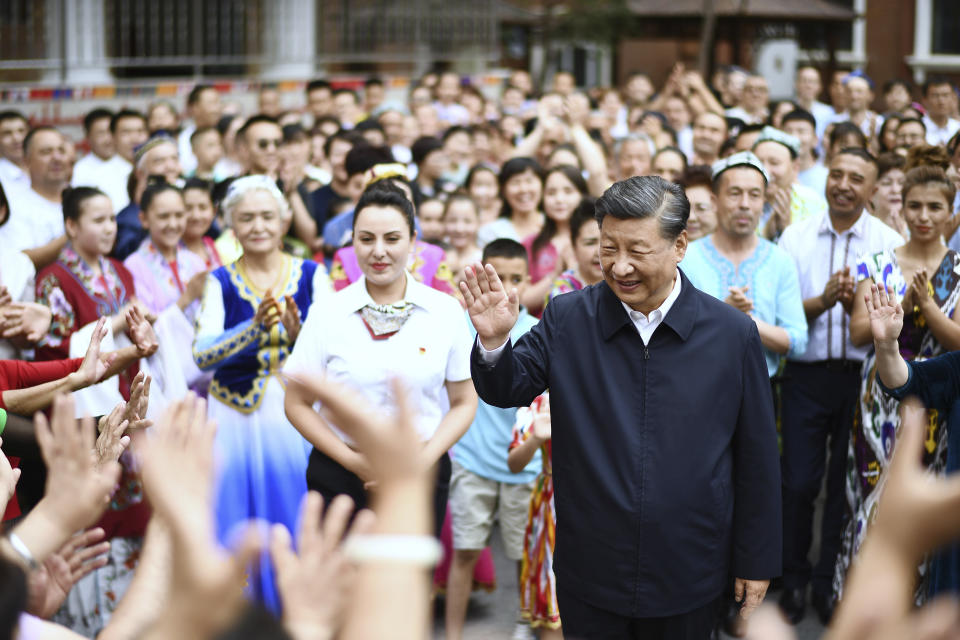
748,272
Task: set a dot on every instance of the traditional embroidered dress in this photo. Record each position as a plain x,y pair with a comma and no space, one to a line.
876,425
568,281
427,264
78,298
538,589
160,283
262,458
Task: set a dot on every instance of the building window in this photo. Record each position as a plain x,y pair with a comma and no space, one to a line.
946,26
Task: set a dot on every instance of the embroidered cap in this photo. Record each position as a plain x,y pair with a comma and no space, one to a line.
741,159
772,134
154,141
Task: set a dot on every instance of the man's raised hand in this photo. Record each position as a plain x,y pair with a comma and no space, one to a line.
492,309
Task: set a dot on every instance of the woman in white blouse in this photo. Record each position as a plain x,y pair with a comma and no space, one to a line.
385,325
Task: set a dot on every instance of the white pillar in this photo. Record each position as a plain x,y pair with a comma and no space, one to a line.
84,30
922,40
290,40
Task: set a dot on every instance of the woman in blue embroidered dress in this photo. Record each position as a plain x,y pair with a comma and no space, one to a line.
249,319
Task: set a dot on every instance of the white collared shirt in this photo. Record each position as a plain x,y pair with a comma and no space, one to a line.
33,221
819,252
940,135
110,176
645,324
432,347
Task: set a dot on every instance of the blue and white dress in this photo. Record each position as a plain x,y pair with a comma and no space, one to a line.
261,457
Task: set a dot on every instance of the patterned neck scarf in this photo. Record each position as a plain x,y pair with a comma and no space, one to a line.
384,320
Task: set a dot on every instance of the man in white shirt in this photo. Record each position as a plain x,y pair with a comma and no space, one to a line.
808,87
36,216
13,166
938,97
753,105
859,93
102,167
129,131
204,108
820,387
802,125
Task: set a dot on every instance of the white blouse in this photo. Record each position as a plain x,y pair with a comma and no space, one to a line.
432,347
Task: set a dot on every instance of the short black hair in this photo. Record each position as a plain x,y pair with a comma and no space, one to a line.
255,119
343,90
201,131
317,84
353,137
800,115
100,113
29,137
644,197
364,157
12,114
936,81
199,184
293,133
423,147
373,81
896,82
126,113
369,124
846,128
861,153
194,96
455,129
904,121
385,194
505,248
749,128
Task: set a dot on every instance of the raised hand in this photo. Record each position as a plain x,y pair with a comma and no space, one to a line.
29,320
94,367
391,446
316,581
135,410
193,290
206,588
886,314
77,489
50,584
290,318
541,422
141,332
111,441
920,289
492,310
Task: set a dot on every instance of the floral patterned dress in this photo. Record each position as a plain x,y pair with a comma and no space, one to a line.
78,297
538,590
877,423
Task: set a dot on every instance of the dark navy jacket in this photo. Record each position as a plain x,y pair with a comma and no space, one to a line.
665,461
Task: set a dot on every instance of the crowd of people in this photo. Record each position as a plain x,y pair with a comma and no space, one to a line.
388,302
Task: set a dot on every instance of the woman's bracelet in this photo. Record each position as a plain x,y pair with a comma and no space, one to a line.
420,551
23,551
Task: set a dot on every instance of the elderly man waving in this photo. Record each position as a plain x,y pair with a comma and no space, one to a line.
665,455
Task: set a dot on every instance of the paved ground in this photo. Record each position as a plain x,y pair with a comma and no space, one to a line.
491,616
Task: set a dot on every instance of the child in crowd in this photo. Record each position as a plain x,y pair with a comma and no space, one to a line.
430,217
585,234
207,146
461,219
538,591
482,485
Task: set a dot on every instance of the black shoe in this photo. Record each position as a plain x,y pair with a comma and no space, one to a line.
824,605
793,603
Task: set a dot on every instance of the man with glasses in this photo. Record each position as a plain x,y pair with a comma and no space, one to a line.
259,145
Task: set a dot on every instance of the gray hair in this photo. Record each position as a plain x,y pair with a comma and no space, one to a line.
242,186
646,197
639,136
